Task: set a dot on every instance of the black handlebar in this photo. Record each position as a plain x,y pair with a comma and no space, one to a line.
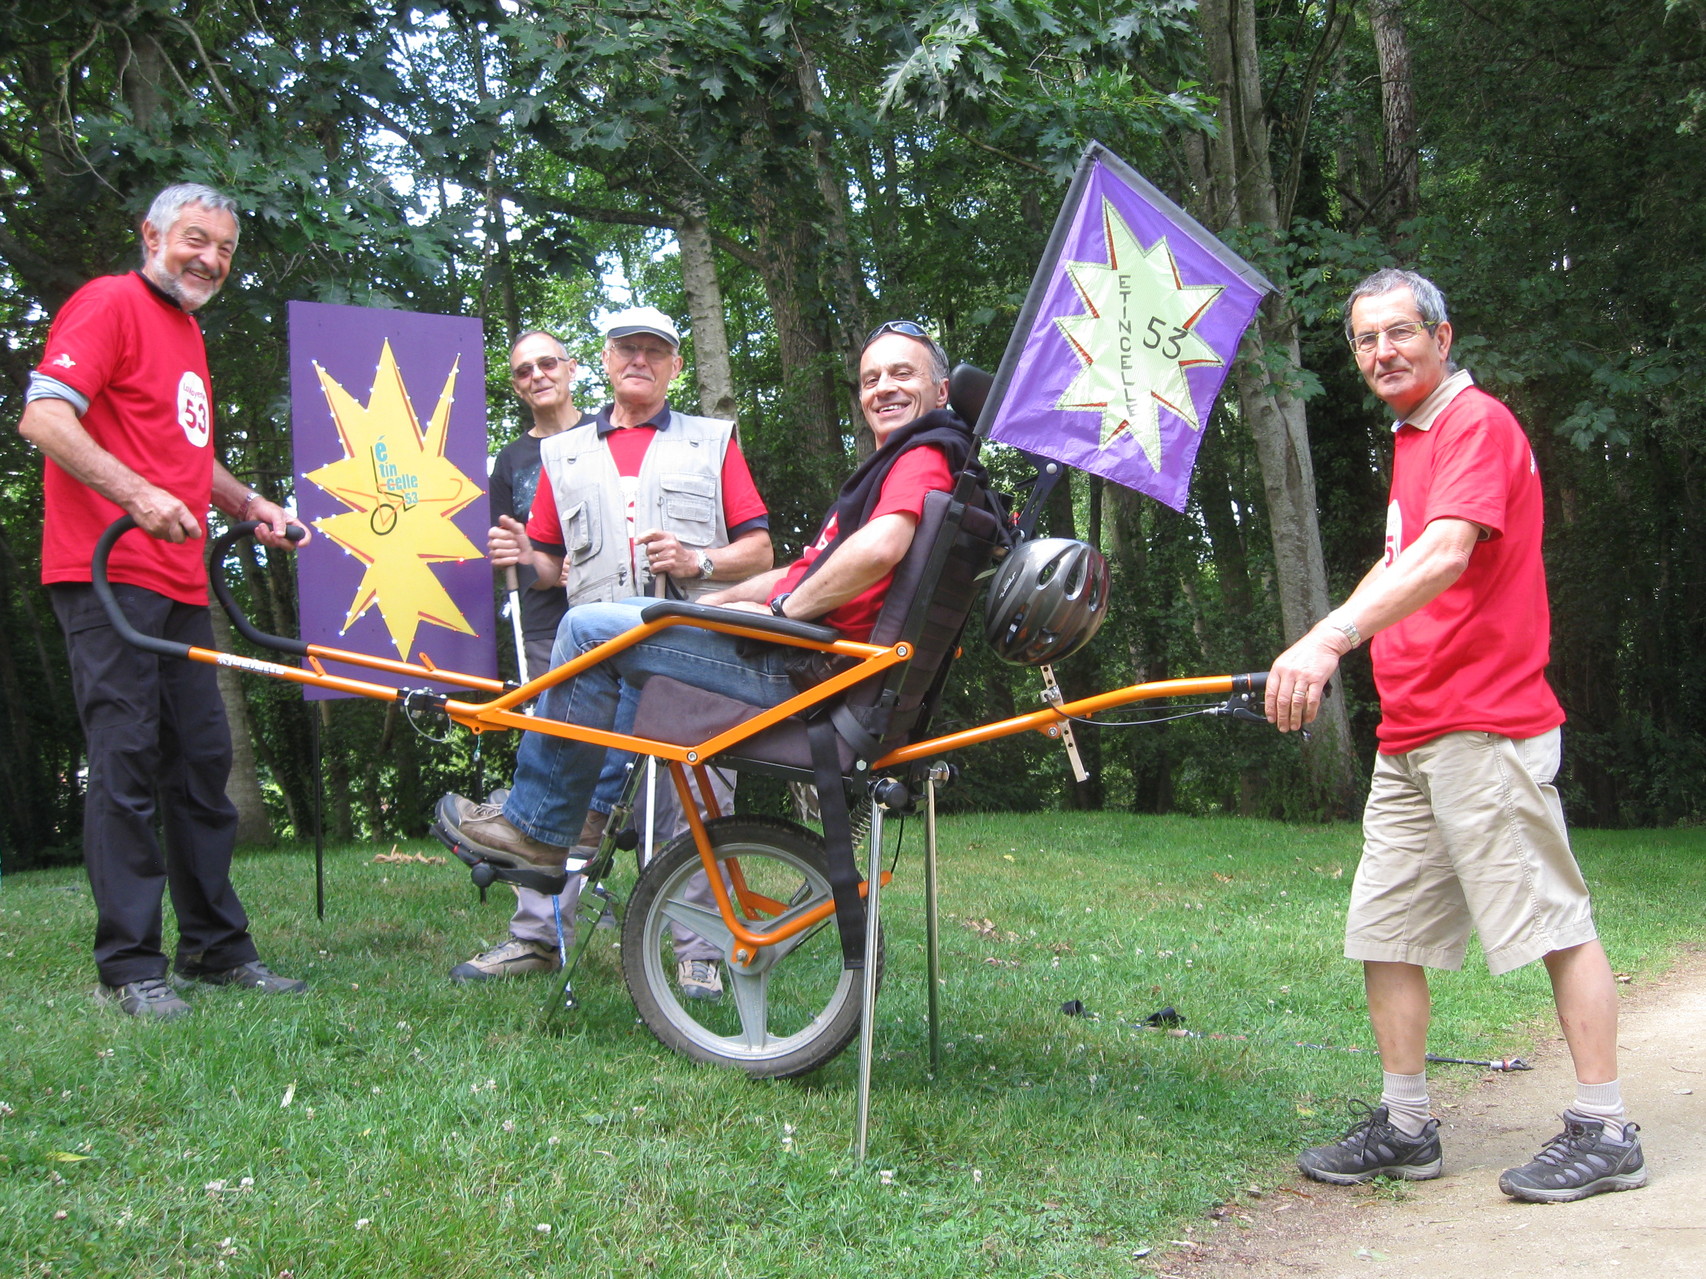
222,590
171,648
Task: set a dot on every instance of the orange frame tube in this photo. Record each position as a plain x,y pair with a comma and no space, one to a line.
500,714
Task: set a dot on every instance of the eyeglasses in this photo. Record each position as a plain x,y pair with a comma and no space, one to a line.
544,364
1397,334
655,354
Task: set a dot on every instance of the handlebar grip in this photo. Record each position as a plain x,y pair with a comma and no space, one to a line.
1255,683
104,593
222,591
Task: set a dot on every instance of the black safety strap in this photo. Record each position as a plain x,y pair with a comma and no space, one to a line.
838,840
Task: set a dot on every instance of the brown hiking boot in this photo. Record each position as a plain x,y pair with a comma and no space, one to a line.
483,829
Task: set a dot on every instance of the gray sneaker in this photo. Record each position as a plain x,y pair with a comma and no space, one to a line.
1578,1162
253,975
150,997
1374,1148
699,978
511,957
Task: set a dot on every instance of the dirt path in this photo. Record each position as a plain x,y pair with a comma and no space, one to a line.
1461,1226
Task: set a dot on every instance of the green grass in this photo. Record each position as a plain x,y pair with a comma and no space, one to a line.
432,1129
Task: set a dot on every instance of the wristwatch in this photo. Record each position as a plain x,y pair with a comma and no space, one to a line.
706,567
777,603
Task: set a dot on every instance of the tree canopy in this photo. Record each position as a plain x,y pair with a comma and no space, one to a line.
800,172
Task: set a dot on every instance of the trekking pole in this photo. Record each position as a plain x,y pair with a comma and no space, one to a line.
512,584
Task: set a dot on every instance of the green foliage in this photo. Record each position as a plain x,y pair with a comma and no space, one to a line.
529,164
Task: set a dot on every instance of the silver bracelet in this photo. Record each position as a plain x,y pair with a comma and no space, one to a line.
1341,622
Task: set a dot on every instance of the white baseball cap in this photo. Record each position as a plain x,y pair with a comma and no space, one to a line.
642,319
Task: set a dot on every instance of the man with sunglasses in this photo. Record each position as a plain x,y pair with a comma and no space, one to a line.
542,374
638,499
1463,827
839,581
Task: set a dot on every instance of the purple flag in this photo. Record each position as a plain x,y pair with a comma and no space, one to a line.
388,423
1126,336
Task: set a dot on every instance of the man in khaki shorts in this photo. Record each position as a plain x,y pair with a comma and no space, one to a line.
1463,827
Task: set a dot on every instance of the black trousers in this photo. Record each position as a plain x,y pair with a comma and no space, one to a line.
158,744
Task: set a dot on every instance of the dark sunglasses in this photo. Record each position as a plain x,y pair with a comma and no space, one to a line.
544,364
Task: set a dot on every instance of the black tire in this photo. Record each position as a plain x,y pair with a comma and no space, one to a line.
788,1012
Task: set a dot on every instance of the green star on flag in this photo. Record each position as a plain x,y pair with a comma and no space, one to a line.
1137,338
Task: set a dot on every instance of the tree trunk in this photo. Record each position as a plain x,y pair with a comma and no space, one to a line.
244,787
1400,195
705,304
802,338
1241,192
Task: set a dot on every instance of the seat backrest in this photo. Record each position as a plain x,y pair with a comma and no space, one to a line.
928,603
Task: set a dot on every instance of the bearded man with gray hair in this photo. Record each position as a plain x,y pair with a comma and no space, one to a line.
122,406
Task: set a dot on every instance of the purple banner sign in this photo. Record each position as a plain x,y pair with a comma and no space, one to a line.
388,419
1131,324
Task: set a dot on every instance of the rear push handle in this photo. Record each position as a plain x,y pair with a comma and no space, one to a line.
218,550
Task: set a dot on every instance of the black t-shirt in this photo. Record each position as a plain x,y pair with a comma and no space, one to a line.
515,479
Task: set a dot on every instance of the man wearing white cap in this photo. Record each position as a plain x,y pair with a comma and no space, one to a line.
640,500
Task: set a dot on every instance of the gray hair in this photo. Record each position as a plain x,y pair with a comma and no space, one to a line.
1430,302
163,213
540,333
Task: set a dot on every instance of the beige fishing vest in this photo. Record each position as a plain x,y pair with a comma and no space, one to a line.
680,492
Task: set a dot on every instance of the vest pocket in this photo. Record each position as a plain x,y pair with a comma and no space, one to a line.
689,507
583,530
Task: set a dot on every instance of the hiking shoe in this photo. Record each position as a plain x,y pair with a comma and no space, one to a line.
150,997
482,829
1578,1162
1374,1148
509,958
253,975
699,978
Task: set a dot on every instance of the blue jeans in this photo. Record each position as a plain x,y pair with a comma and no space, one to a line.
555,778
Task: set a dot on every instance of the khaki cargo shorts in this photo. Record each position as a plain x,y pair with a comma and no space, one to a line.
1467,831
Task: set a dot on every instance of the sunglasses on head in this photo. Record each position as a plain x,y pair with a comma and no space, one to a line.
906,328
544,364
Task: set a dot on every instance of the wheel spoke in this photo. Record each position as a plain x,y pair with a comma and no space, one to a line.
752,1002
696,919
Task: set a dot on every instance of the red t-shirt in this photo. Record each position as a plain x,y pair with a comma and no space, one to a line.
139,361
1474,659
916,473
628,446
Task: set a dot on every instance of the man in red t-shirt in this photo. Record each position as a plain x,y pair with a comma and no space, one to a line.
1463,827
121,404
903,382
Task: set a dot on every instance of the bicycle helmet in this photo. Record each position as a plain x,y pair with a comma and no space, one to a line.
1048,600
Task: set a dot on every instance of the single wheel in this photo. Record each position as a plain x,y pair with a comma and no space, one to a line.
790,1010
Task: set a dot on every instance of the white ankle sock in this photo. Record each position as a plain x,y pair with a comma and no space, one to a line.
1603,1102
1406,1100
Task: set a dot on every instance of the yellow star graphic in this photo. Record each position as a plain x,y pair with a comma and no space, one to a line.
401,492
1136,339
